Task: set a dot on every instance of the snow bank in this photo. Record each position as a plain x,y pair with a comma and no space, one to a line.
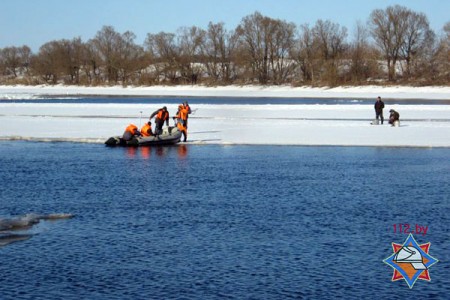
341,125
397,92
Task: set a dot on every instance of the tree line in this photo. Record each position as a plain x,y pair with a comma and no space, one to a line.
395,45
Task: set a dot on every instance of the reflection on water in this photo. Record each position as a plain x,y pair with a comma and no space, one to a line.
162,151
131,152
146,152
182,151
6,239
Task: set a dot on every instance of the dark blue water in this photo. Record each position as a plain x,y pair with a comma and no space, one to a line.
210,222
221,100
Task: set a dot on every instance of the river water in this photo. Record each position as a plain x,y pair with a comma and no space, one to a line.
209,222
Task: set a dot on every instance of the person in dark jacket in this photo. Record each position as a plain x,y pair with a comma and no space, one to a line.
379,105
161,115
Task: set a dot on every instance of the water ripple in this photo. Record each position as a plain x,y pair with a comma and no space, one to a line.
239,223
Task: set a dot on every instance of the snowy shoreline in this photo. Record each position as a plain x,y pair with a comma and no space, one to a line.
423,125
364,92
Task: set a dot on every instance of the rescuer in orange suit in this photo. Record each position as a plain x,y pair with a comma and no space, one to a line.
181,118
189,111
146,130
161,115
130,131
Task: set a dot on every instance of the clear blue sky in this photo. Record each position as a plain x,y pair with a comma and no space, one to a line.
35,22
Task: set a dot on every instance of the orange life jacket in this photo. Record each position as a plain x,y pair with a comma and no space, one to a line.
131,128
181,127
162,115
183,114
146,129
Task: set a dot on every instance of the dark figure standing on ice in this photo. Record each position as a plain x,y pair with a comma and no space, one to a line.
379,105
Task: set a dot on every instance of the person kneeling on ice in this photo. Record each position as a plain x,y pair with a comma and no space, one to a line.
394,118
181,120
130,132
161,115
146,130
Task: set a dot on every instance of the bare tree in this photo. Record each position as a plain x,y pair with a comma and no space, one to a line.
217,51
254,30
304,54
106,43
131,57
417,40
42,64
260,49
266,43
25,54
15,60
440,62
281,43
190,41
362,56
57,59
165,55
77,54
446,51
329,40
388,28
119,54
358,53
92,64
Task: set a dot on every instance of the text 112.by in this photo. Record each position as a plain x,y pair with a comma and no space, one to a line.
407,228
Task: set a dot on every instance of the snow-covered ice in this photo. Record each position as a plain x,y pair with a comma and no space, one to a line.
371,92
341,125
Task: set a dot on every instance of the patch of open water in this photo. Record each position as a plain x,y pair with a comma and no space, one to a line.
196,222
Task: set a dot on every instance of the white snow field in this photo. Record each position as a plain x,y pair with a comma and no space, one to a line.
299,124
